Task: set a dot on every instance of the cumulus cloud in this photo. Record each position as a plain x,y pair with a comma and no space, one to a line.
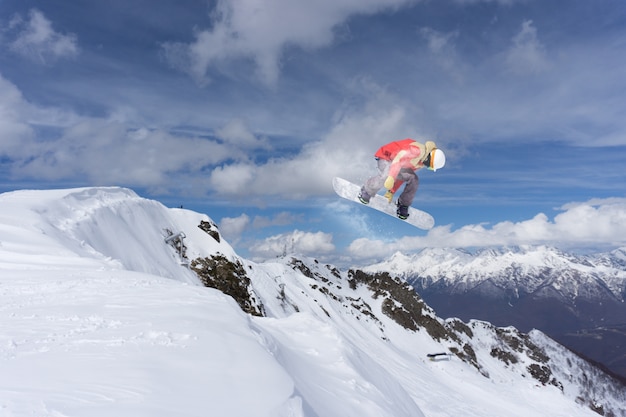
259,30
595,223
108,152
232,179
236,132
305,243
36,39
233,227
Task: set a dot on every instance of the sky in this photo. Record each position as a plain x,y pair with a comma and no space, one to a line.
245,110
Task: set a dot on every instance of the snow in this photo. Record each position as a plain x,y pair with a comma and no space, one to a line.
124,343
99,318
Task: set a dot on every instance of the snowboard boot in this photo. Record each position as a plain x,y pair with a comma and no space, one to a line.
402,211
364,197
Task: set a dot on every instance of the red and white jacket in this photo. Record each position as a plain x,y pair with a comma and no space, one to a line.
405,153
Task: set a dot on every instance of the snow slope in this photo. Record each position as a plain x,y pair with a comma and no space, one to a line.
576,299
99,318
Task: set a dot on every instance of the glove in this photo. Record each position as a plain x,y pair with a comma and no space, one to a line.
389,196
389,183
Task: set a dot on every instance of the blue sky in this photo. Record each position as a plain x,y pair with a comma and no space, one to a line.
245,110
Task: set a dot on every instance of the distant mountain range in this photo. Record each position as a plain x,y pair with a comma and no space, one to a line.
577,300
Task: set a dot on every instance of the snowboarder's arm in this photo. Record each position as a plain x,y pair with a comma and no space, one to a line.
394,169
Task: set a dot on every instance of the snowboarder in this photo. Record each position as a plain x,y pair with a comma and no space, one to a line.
397,163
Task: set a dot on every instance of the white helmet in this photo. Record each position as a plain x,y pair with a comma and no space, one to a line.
437,159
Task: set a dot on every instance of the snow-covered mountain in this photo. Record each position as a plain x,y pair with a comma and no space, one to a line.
533,270
104,312
579,300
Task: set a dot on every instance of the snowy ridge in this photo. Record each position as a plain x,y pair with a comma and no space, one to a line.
577,300
111,226
100,317
527,268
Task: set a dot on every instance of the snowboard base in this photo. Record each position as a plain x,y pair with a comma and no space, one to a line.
350,191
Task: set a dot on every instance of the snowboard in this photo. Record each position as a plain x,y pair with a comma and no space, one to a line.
350,191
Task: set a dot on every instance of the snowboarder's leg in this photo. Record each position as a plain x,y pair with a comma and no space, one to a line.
411,181
375,183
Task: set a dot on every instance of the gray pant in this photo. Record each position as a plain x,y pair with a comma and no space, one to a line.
411,181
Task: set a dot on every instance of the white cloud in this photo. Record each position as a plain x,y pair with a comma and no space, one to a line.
37,40
233,227
13,130
235,132
305,243
443,49
594,223
260,30
232,179
527,55
107,152
114,151
104,151
438,42
347,151
558,86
